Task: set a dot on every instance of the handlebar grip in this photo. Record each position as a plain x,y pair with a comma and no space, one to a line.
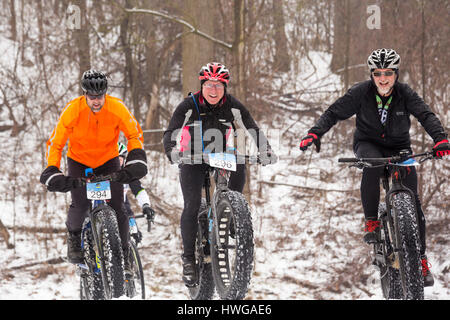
348,160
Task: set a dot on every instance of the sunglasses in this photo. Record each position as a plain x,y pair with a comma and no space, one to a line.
385,73
218,86
94,96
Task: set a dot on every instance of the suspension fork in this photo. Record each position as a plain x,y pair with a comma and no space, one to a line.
221,178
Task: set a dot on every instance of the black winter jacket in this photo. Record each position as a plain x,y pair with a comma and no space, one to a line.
222,117
360,100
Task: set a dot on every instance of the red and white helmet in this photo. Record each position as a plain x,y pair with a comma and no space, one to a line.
214,71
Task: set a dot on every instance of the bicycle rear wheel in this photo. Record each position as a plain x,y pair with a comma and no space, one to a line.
232,251
205,288
112,262
135,285
407,237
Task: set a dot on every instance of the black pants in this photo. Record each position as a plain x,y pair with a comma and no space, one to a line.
80,204
370,184
191,180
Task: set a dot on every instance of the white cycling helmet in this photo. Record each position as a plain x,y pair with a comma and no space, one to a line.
123,152
383,59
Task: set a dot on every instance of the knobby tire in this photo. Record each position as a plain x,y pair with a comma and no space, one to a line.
232,267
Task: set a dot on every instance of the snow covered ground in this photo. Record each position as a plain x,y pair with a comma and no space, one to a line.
297,256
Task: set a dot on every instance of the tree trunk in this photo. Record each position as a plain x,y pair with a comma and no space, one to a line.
81,37
281,59
130,69
197,51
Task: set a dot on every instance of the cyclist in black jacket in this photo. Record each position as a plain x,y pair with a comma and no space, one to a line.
382,106
206,121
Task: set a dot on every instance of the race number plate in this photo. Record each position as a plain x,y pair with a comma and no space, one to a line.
225,161
98,190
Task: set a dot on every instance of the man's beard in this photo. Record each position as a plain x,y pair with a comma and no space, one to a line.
384,92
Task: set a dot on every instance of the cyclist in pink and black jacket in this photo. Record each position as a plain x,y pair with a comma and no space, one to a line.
207,121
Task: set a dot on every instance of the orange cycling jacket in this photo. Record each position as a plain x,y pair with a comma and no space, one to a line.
93,136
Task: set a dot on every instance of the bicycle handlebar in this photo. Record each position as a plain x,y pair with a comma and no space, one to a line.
98,178
149,220
204,157
370,162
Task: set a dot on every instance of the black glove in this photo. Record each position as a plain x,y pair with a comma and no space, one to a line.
309,140
267,157
56,181
441,149
135,167
148,211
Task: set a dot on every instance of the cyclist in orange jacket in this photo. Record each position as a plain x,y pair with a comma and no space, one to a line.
92,124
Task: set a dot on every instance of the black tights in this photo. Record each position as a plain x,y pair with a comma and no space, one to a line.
370,184
191,180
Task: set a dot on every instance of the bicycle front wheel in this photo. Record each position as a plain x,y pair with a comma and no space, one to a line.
408,241
204,290
135,285
232,246
112,262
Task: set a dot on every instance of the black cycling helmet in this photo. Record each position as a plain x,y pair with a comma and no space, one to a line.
94,82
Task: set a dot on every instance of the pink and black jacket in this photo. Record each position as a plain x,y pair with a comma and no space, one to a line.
209,128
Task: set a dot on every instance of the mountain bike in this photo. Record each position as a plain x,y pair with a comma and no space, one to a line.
224,246
397,250
102,273
134,281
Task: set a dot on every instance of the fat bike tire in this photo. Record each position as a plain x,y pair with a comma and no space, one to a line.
232,246
134,283
108,231
408,242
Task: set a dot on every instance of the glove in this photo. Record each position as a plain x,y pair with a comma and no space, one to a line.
56,181
148,211
308,140
135,167
267,157
441,149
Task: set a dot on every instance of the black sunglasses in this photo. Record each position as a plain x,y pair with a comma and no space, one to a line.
94,96
385,73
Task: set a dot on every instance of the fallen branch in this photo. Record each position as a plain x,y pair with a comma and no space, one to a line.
31,264
305,188
38,229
